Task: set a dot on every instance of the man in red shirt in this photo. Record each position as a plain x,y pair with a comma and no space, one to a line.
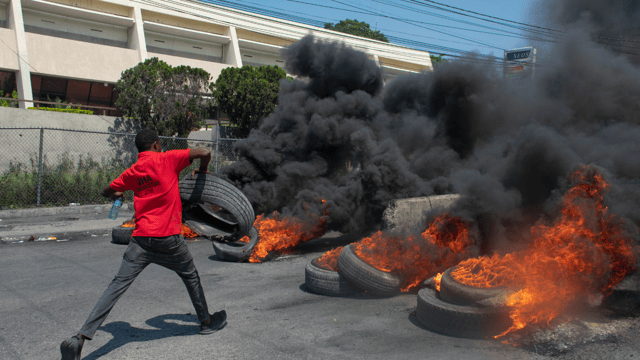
156,238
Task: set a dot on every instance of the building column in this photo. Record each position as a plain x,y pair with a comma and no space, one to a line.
23,77
377,61
136,34
233,49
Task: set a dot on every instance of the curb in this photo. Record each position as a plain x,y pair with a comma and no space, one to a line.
80,209
55,237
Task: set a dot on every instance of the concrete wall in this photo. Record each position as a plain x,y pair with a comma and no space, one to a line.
257,58
20,146
409,215
77,59
8,58
184,45
72,26
10,117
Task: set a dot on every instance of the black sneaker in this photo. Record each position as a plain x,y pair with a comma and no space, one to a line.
217,321
71,348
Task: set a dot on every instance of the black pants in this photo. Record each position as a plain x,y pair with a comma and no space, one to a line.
171,252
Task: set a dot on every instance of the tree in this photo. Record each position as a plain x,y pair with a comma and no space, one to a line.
355,27
247,94
166,99
437,60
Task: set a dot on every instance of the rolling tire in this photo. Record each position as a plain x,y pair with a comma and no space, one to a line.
462,321
366,277
237,251
205,188
121,235
454,292
326,282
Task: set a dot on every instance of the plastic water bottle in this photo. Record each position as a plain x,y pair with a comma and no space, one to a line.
115,208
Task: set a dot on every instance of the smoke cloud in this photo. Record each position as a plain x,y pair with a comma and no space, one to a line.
340,134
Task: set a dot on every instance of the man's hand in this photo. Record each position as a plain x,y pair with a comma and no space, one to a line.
204,155
199,171
110,193
116,195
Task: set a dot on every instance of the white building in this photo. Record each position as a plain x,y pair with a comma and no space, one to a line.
76,49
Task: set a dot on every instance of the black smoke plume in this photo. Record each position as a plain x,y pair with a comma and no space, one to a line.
506,145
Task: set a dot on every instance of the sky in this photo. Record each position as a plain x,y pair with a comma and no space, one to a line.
434,30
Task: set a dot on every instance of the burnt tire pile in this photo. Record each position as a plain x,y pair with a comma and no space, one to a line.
464,311
455,309
217,210
353,276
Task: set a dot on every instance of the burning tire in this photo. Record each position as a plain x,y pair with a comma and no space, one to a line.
455,292
462,321
121,234
205,188
326,282
365,276
237,251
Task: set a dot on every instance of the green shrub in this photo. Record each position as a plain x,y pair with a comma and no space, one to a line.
67,181
7,103
74,111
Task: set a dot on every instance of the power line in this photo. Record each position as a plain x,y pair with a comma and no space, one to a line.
476,13
368,12
444,17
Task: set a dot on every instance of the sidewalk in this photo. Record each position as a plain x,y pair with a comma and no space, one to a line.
59,223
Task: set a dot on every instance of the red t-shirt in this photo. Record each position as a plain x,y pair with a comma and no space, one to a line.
154,181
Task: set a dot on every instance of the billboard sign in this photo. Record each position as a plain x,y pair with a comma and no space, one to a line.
520,63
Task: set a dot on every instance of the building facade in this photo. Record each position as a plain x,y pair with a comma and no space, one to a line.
75,50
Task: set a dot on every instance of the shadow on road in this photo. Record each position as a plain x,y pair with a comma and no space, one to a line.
123,333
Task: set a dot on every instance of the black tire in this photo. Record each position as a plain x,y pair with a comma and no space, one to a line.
237,251
462,321
366,277
454,292
207,230
121,235
217,215
326,282
205,188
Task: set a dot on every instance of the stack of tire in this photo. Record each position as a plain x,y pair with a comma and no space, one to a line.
231,220
353,275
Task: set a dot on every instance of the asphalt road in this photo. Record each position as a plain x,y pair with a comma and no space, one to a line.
47,289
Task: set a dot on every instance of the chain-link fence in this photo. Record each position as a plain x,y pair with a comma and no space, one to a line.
56,167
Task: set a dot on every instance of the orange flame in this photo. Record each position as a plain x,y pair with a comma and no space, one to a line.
582,254
186,232
443,244
329,260
438,280
245,239
279,233
129,223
